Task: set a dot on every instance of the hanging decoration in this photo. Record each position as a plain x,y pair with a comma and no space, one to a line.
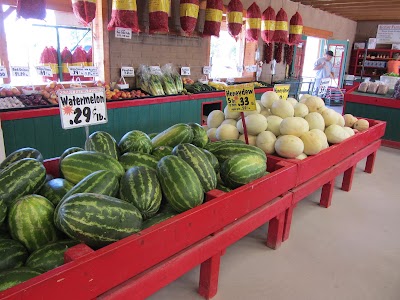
124,14
295,29
84,10
79,59
212,24
49,58
278,52
158,15
268,52
89,57
235,17
253,22
189,13
281,34
31,9
268,25
288,54
66,60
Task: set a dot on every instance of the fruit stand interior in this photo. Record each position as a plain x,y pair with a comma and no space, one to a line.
199,149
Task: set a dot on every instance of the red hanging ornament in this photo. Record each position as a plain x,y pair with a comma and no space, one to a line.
189,13
278,52
212,24
235,17
66,59
281,27
288,54
268,52
268,25
253,22
295,29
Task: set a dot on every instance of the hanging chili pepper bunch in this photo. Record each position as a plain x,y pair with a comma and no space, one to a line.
124,14
158,15
253,22
49,58
212,24
189,13
84,10
235,18
267,32
288,54
280,34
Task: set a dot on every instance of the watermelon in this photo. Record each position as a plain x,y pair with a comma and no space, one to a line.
3,211
49,256
180,184
200,163
98,220
103,142
161,151
213,160
174,135
223,150
70,151
140,187
161,216
200,138
214,145
223,188
130,159
77,166
4,233
23,177
12,254
55,189
12,277
135,141
241,169
30,222
151,135
20,154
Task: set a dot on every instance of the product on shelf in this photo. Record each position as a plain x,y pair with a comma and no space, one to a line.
10,102
383,89
372,87
363,87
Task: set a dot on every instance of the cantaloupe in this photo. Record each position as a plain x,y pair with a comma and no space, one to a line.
211,133
312,143
349,130
340,120
256,123
330,117
336,134
231,115
282,108
251,139
227,132
300,110
266,142
239,126
322,137
215,118
292,101
349,120
304,97
274,123
265,112
315,121
247,113
229,121
321,109
302,156
361,125
294,126
268,98
289,146
313,103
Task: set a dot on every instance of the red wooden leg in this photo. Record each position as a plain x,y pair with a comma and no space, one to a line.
275,231
288,222
326,194
369,165
348,179
209,271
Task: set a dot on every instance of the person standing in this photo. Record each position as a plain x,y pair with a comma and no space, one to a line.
324,69
393,66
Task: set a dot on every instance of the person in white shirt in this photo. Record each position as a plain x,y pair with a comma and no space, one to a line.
324,69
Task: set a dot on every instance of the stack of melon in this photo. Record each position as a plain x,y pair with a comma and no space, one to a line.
289,128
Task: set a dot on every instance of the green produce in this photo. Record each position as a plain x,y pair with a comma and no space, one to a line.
12,254
223,151
215,145
223,188
174,135
213,160
31,222
135,141
103,142
10,278
4,234
3,211
49,177
180,184
151,135
392,74
23,177
168,85
70,151
77,166
160,217
140,187
200,138
200,163
55,189
152,85
98,220
161,151
130,159
20,154
178,82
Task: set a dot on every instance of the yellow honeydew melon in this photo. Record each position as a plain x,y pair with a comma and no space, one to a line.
256,124
315,121
289,146
292,101
239,126
266,142
215,118
302,156
282,108
251,138
227,132
248,113
205,127
304,97
265,112
259,102
349,130
361,125
268,98
312,143
211,133
313,103
330,117
274,123
294,126
300,110
340,120
322,137
231,115
336,134
349,120
229,121
321,109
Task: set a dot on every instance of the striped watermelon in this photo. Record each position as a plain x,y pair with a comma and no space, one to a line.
174,135
20,154
130,159
70,151
213,160
223,188
23,177
140,187
3,211
223,150
12,254
180,184
55,189
135,141
49,256
98,220
31,222
4,233
200,138
151,135
161,151
10,278
200,163
215,145
241,169
77,166
162,215
103,142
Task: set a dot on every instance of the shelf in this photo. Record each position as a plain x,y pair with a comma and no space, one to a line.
360,58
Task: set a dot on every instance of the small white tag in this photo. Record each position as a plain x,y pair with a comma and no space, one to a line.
185,71
44,71
76,71
206,70
127,72
3,72
123,33
20,71
90,71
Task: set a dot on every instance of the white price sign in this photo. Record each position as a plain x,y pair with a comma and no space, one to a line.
44,71
155,70
239,69
3,72
82,107
251,69
90,71
123,33
20,71
127,72
207,70
185,71
76,71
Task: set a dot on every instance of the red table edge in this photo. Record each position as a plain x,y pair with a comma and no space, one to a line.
391,144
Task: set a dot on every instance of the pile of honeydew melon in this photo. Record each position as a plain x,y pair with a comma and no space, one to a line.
288,128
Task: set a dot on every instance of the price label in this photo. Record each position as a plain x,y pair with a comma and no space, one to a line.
123,33
239,69
207,70
155,70
127,72
76,71
44,71
282,90
90,71
185,71
20,71
251,69
3,72
323,87
82,107
240,97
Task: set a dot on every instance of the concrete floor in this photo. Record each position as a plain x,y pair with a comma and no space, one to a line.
350,251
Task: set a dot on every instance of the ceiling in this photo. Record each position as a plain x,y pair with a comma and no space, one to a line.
358,10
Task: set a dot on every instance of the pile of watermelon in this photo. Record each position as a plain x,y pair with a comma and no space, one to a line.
109,190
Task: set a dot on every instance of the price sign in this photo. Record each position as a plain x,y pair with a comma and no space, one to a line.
123,33
127,72
240,97
90,71
207,70
323,87
185,71
20,71
251,69
44,71
155,70
3,72
282,90
239,69
76,71
82,107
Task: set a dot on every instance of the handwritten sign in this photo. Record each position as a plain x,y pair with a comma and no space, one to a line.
20,71
44,71
127,72
90,71
3,72
239,69
251,69
207,70
388,34
185,71
123,33
76,71
241,97
82,107
282,90
323,87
